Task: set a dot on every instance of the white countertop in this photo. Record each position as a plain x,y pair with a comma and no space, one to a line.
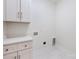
16,40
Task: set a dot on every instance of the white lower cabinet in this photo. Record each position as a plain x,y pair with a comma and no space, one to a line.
22,51
25,54
10,56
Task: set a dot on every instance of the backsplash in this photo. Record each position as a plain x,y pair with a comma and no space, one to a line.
15,29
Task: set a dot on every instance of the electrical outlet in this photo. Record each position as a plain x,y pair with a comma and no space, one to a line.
35,33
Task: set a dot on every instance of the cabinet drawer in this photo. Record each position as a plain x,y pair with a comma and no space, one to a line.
25,45
10,48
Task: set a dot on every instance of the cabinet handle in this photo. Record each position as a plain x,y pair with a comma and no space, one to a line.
21,14
15,57
6,50
25,45
18,14
19,56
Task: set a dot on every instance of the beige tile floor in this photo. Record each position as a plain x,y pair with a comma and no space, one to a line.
52,53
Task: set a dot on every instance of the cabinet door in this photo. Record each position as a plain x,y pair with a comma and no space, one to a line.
12,10
4,10
10,56
25,10
25,54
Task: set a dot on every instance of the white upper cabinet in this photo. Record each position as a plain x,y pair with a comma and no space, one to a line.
17,10
12,10
25,10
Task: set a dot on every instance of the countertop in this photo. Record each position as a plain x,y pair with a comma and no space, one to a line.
16,40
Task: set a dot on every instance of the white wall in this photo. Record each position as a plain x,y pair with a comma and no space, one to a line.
65,24
43,22
50,19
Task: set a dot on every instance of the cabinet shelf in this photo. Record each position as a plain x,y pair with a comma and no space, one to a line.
17,22
9,41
